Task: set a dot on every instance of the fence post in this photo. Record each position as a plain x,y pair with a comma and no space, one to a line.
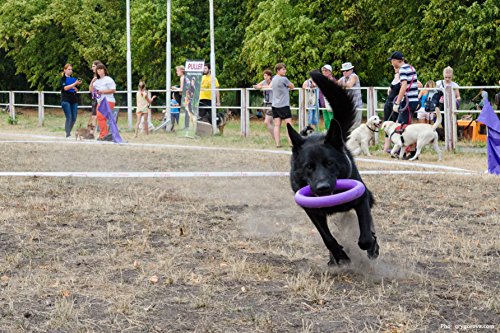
371,105
12,102
302,108
244,114
449,119
41,110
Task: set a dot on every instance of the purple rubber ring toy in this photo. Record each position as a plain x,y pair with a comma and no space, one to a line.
305,198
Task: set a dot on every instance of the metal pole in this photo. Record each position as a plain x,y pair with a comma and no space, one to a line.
129,70
169,59
212,67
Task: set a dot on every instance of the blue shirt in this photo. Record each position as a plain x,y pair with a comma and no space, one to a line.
173,102
69,80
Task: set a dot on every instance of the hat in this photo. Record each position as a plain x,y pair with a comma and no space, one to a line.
396,55
346,66
327,67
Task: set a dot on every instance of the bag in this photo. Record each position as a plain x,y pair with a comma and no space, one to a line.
430,104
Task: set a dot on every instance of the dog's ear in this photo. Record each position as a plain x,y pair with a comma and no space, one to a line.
296,138
334,135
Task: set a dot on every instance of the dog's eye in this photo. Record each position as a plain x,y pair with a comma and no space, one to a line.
329,163
310,166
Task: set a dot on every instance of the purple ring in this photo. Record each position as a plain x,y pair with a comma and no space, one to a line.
305,198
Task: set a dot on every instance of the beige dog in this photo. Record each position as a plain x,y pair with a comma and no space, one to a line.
421,134
360,138
85,133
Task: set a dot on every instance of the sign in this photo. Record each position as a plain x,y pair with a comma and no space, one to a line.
190,99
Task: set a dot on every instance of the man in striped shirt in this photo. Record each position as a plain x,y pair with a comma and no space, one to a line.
406,102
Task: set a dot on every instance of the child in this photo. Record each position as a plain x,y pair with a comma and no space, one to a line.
174,111
143,102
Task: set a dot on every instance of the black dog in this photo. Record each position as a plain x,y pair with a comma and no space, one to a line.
319,160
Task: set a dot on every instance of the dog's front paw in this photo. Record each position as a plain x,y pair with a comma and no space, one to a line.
340,260
373,252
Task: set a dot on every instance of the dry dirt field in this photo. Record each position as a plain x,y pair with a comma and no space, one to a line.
236,254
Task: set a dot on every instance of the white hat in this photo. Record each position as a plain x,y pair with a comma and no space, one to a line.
346,66
327,67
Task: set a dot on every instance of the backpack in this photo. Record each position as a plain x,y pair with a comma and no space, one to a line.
432,102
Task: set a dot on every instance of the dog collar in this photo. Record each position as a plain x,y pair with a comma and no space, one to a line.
373,130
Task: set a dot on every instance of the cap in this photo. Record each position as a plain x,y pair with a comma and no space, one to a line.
396,55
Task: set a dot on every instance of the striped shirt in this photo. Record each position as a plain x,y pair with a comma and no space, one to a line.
409,74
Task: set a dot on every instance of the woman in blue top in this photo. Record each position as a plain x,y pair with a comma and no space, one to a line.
69,98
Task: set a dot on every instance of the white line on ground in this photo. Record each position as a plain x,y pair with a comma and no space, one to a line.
200,174
92,142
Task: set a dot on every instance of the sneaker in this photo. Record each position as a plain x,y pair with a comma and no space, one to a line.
108,137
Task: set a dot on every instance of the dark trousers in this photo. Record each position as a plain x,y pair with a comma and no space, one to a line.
70,112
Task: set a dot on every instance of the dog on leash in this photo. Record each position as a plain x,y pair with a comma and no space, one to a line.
222,119
361,137
319,160
421,134
85,133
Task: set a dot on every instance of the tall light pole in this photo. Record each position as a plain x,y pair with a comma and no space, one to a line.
169,66
129,70
212,67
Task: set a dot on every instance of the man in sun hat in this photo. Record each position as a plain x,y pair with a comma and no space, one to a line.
351,81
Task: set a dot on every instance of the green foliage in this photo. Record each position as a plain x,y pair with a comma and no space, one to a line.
11,121
39,36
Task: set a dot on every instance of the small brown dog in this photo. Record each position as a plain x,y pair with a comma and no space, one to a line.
222,119
85,133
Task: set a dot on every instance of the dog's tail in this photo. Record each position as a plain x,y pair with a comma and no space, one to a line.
343,108
438,119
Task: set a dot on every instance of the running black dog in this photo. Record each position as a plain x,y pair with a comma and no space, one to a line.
319,160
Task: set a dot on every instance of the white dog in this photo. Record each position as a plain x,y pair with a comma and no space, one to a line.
421,134
360,138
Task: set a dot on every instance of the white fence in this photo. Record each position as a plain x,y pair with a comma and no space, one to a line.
246,99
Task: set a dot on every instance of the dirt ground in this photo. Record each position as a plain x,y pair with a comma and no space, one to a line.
236,254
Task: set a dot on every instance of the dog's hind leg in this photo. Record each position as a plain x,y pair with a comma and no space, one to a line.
435,145
367,240
337,254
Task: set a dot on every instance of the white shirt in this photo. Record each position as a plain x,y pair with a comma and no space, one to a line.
105,83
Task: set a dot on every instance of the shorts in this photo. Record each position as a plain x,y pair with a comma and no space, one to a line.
422,114
312,116
406,113
282,113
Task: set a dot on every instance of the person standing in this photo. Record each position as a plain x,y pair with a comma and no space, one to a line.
93,115
350,80
326,70
104,86
281,101
406,102
69,97
390,115
448,82
143,102
268,98
311,103
206,95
